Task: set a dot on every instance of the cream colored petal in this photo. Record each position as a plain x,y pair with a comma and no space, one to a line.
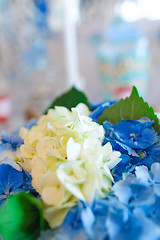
23,131
89,187
51,127
108,172
49,178
91,146
71,184
115,155
112,163
75,190
45,145
34,134
55,215
77,176
52,195
26,151
73,149
82,109
107,150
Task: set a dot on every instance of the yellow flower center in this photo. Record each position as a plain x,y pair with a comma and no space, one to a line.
142,154
132,135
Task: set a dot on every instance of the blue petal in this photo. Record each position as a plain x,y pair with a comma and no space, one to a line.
143,175
122,167
99,108
141,195
27,183
154,152
15,141
155,170
10,178
135,136
135,227
5,147
97,112
148,138
118,146
30,123
148,161
88,219
122,191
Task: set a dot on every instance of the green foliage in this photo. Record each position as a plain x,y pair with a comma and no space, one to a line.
21,217
132,107
70,99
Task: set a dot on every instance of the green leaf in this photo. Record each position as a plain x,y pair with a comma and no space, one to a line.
21,217
69,99
132,107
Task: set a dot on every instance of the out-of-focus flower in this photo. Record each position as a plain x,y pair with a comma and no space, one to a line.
133,192
151,178
124,225
67,161
13,180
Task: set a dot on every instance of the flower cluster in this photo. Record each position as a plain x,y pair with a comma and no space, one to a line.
86,180
131,211
136,140
13,179
66,159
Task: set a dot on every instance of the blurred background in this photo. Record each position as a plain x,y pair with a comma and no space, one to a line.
103,47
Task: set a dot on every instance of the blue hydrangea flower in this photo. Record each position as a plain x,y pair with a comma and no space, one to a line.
133,226
13,181
147,156
136,140
149,178
134,193
153,211
135,134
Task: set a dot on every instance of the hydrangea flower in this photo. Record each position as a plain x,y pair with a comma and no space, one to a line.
140,193
105,219
149,178
67,161
134,192
125,226
135,134
136,140
13,179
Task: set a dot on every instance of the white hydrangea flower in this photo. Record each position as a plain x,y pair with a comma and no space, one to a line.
67,161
